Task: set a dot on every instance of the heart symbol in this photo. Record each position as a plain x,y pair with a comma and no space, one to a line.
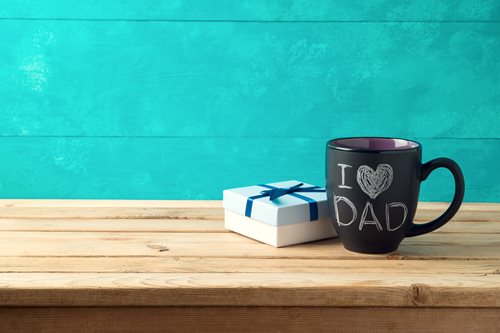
374,182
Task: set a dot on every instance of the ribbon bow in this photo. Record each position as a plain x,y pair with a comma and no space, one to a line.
276,192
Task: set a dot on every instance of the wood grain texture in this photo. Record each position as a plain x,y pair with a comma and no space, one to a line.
169,266
213,79
139,99
104,244
250,289
257,10
161,224
44,213
185,210
114,168
172,249
247,319
142,265
244,264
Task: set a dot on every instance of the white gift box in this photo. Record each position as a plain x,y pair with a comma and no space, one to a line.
292,218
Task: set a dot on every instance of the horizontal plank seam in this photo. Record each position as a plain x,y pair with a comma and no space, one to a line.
176,218
158,231
138,271
250,305
235,20
195,230
48,136
313,284
129,217
22,307
393,256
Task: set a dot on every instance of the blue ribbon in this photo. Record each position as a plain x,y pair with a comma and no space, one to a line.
276,192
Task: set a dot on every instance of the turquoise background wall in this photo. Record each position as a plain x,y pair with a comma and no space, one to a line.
144,99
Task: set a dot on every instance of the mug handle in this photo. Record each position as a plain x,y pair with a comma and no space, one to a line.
425,170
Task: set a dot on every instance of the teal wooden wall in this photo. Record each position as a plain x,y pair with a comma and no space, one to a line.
146,99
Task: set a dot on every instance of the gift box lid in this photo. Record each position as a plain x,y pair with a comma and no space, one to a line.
287,209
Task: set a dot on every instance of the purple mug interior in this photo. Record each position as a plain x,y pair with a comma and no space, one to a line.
374,144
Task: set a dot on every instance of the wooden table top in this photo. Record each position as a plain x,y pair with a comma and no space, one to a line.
177,253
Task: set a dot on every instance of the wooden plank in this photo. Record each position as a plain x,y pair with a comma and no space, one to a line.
181,225
126,158
468,207
462,216
249,289
248,319
109,216
470,227
192,204
291,75
171,204
187,210
468,212
431,246
137,225
101,242
112,209
360,266
259,10
456,267
124,213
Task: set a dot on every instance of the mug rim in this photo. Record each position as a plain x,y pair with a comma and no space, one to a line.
332,145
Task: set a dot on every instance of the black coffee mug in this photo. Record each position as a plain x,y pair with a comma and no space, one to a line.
372,189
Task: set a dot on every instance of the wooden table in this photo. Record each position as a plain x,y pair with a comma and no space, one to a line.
171,266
